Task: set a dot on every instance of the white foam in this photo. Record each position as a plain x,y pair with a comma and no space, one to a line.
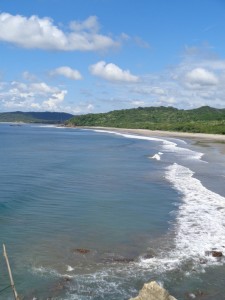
199,227
45,126
156,156
201,216
45,271
168,146
70,269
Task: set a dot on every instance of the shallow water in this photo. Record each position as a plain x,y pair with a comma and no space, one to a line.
64,189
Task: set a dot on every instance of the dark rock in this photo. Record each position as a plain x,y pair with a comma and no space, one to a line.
81,250
123,260
197,294
118,260
59,286
217,254
67,279
148,255
214,253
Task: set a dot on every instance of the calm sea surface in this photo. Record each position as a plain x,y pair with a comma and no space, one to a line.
140,218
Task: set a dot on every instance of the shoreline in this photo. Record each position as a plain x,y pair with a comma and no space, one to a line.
170,134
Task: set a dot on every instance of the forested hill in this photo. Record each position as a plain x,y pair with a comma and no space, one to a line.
204,119
35,117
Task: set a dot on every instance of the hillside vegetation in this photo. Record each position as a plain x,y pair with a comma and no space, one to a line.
204,119
35,117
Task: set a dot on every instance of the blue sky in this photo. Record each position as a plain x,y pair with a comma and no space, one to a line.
99,55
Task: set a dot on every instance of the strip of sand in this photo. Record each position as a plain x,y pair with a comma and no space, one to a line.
171,134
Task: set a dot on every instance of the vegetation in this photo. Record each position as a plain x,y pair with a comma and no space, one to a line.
35,117
204,119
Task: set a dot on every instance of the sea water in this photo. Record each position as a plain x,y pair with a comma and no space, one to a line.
143,208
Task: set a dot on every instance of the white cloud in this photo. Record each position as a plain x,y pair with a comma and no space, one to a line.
90,24
53,102
148,90
201,77
141,43
41,33
138,103
42,88
197,80
66,72
37,95
112,72
28,76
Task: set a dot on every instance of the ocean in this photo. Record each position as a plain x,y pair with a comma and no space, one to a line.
93,214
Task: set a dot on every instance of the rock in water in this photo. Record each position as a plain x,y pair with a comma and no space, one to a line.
217,254
81,251
214,253
153,291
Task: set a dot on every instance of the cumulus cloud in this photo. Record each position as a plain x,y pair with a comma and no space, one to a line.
201,77
90,24
53,102
112,72
66,72
28,96
41,33
41,88
197,80
38,96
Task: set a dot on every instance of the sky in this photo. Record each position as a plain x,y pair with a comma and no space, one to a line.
94,56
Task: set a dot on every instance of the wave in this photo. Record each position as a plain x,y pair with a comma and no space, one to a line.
201,217
199,227
167,146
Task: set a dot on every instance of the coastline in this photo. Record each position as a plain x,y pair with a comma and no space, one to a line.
170,134
177,289
206,182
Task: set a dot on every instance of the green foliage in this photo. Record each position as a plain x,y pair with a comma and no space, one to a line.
204,119
35,117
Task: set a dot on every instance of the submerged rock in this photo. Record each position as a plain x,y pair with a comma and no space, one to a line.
81,251
153,291
117,259
149,254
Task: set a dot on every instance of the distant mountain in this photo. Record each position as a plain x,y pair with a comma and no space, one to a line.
35,117
204,119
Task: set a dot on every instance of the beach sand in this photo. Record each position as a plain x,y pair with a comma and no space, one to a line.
202,139
171,134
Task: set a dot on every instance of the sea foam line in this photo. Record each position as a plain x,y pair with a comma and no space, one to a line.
168,146
201,216
200,221
199,225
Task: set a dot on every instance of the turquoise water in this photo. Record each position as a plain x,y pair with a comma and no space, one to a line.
64,189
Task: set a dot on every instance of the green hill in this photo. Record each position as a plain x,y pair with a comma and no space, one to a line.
35,117
204,119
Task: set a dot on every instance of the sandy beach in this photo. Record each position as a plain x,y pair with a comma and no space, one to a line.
171,134
217,141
